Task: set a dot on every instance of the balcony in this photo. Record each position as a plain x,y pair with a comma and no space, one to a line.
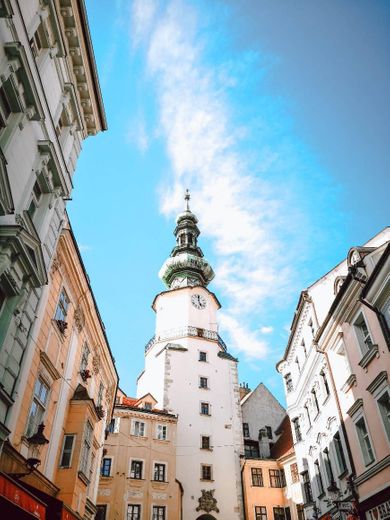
183,332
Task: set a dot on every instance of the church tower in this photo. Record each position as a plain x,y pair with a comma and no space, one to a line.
190,373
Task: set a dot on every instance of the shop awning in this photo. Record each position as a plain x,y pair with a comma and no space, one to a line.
19,503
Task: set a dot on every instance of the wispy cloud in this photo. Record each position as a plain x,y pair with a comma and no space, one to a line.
138,135
239,178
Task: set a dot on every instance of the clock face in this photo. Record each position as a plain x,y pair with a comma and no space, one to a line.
198,301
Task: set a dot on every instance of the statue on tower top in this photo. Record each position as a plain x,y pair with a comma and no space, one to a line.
186,265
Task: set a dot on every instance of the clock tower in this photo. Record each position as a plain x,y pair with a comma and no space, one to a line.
190,373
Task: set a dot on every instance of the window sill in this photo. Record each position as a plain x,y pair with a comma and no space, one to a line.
205,414
343,474
206,449
369,356
161,440
138,436
203,388
83,477
135,478
160,481
106,477
206,480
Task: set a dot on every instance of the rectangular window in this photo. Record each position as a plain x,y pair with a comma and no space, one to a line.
205,442
84,358
257,477
158,513
260,513
105,470
101,513
279,513
320,483
363,334
139,428
306,407
251,449
136,469
133,512
364,441
86,448
325,383
203,356
294,472
100,395
287,513
328,466
67,450
206,473
162,430
269,432
276,478
205,408
38,407
62,307
159,472
339,453
297,429
203,383
307,487
245,429
384,410
288,383
315,401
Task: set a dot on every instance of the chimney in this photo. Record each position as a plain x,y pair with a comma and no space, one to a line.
244,390
264,449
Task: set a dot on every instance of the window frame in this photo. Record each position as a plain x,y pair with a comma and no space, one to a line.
257,478
157,509
134,427
203,406
204,468
278,513
86,447
102,467
386,425
160,469
62,308
32,424
202,354
277,478
262,514
340,453
245,430
67,435
357,419
142,465
208,447
139,517
160,428
364,344
204,383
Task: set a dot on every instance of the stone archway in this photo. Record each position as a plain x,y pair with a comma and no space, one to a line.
206,517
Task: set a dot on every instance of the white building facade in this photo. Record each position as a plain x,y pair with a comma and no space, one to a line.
190,373
49,102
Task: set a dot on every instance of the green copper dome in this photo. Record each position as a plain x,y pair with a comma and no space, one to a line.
186,265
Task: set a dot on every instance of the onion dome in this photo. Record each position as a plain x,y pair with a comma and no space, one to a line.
186,265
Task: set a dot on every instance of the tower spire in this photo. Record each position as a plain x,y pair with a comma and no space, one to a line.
187,197
186,265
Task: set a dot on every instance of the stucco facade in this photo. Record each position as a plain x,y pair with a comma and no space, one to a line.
322,368
138,472
50,102
190,373
355,338
69,388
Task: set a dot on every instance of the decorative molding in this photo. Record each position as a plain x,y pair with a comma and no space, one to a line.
355,407
379,466
375,384
372,353
207,502
96,362
79,319
46,362
329,422
351,381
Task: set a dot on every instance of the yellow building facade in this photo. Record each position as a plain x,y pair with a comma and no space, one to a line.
68,395
138,470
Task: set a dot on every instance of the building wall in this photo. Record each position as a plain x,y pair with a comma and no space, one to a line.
51,103
172,374
71,400
118,490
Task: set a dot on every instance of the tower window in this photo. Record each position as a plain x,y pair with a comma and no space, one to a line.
204,408
203,356
203,382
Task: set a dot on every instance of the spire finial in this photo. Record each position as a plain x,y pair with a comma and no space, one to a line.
187,197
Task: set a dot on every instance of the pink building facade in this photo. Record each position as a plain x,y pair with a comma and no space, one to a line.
355,339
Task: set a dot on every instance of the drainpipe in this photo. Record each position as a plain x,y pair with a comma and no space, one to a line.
243,491
181,497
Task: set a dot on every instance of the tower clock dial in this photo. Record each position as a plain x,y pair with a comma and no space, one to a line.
198,301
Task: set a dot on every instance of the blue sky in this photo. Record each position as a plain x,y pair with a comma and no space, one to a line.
275,115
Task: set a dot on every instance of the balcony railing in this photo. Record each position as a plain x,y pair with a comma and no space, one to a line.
183,332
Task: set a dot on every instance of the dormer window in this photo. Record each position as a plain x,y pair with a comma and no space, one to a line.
148,406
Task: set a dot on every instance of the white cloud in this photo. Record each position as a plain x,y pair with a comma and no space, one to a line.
266,330
143,13
84,247
239,210
138,135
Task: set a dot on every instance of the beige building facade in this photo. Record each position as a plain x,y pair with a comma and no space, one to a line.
67,395
138,470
